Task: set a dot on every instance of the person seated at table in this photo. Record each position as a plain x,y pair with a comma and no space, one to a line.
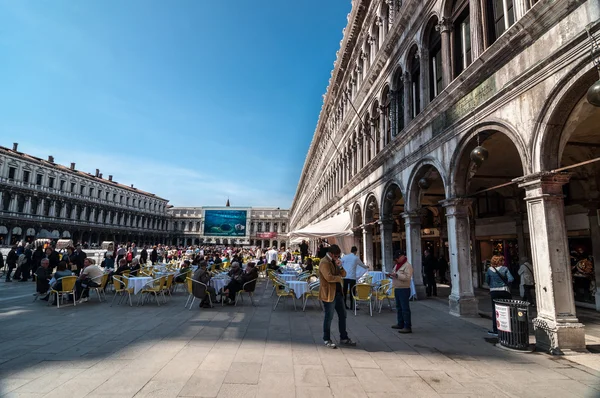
61,272
273,266
237,282
108,262
184,271
198,290
90,276
135,267
43,279
308,267
123,266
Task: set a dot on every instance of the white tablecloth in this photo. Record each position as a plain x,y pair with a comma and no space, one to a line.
138,283
289,277
219,283
377,276
300,287
291,269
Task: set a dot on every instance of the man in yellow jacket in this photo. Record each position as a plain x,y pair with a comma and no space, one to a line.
331,277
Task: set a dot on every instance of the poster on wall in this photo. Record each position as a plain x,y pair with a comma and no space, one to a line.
225,222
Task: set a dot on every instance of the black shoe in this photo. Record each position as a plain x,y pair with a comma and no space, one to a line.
405,330
22,280
348,342
397,327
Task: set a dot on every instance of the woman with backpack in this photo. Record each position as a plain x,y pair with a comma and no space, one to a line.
499,279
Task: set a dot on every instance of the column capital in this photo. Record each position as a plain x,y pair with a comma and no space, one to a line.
445,25
411,217
545,183
456,207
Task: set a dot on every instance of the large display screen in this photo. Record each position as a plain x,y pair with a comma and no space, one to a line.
225,222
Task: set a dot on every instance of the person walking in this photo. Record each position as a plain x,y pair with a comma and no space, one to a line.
429,266
527,283
401,277
11,262
331,274
303,251
350,262
498,278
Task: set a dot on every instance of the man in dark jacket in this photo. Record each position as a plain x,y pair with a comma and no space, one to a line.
36,258
11,262
144,256
154,256
43,278
53,258
80,256
429,266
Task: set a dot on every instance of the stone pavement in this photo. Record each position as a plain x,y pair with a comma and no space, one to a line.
97,350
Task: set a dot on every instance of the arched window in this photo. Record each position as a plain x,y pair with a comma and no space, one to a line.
435,61
397,109
386,110
415,81
367,139
376,128
461,36
500,15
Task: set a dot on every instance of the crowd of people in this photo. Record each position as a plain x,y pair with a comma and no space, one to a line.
337,274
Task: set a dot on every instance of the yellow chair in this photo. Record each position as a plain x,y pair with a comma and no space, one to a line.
240,295
190,286
168,285
67,286
121,285
313,292
187,274
100,289
362,292
282,290
157,288
385,291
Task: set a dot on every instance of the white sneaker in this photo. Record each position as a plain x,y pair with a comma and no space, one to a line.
83,300
330,344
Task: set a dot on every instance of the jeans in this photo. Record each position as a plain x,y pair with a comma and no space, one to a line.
340,308
348,285
498,294
403,307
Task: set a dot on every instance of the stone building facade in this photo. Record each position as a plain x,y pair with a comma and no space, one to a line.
460,126
266,227
42,199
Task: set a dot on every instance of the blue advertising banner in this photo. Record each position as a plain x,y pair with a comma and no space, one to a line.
225,222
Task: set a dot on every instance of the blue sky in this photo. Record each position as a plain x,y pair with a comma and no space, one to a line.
195,100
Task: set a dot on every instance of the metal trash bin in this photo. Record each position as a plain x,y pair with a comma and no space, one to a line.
512,320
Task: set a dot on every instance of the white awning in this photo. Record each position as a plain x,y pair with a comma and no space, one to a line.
30,232
17,231
339,225
3,230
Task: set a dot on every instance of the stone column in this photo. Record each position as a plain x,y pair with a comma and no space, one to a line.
520,8
462,299
425,65
27,209
368,246
445,29
387,245
477,38
595,237
412,225
551,262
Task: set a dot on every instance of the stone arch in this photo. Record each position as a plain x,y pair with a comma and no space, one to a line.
432,21
370,208
390,186
547,143
396,78
457,183
420,169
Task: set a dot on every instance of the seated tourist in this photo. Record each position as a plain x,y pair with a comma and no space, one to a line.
309,265
90,276
43,278
238,278
199,291
273,266
109,261
61,272
183,271
135,266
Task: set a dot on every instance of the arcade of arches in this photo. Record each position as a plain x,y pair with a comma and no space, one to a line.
506,204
